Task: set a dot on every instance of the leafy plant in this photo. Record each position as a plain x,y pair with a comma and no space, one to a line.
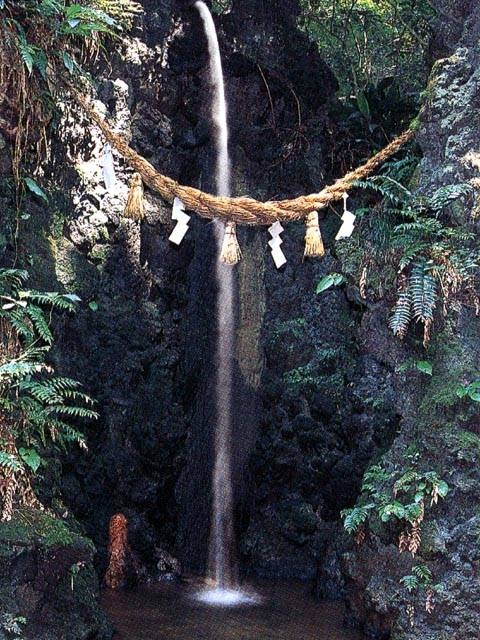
331,280
408,238
12,625
402,500
39,43
366,41
424,366
36,407
471,391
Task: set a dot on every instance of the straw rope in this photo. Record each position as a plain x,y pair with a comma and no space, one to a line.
243,210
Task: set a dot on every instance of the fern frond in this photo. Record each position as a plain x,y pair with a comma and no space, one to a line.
388,188
410,252
65,433
72,411
41,326
41,391
18,369
61,301
401,315
423,291
21,324
449,193
49,8
10,461
26,51
12,277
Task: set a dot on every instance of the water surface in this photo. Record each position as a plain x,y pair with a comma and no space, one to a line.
170,612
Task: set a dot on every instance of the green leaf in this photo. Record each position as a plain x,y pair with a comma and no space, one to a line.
69,62
363,105
72,297
30,458
461,391
10,461
410,583
388,510
474,393
442,488
413,511
424,367
35,188
332,280
93,305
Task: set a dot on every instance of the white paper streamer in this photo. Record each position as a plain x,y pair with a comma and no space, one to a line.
182,219
348,218
275,243
109,176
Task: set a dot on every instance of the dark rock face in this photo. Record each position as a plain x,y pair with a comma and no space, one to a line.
47,577
327,413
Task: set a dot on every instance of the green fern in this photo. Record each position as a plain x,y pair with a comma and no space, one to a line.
423,291
12,277
26,51
354,518
447,194
39,322
50,8
410,582
401,315
39,405
10,461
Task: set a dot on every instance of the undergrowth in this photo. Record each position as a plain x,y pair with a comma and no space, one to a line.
37,408
406,240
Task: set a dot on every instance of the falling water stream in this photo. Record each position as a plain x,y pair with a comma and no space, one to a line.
283,610
221,562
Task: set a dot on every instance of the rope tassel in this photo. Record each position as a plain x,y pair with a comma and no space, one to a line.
231,252
135,207
313,238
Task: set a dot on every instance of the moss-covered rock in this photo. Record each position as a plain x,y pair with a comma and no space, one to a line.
47,580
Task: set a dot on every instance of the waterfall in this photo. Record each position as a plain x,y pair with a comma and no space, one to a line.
221,562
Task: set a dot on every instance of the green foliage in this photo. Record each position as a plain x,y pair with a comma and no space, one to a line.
410,240
222,6
423,291
424,366
34,188
12,625
354,518
401,314
30,526
39,42
470,391
421,577
366,41
390,497
38,404
331,280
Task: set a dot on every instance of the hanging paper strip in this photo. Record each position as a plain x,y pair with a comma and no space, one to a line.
182,220
348,218
109,176
275,243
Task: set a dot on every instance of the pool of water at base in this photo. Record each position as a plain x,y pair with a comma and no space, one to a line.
285,611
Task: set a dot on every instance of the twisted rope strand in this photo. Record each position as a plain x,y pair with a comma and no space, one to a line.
243,210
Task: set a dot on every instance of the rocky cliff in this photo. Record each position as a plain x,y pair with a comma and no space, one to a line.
437,429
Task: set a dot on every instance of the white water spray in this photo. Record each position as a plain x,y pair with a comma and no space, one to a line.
221,562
